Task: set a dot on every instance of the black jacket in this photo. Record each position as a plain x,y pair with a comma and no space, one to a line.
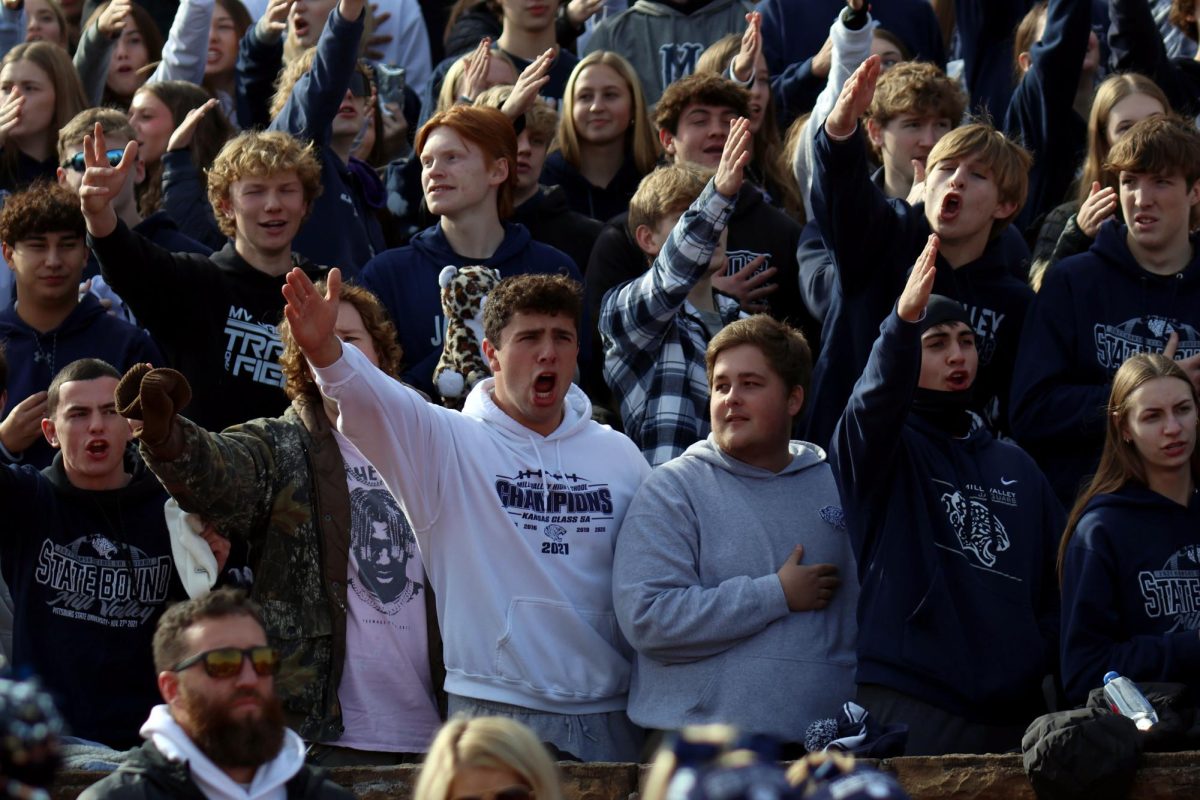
551,221
148,775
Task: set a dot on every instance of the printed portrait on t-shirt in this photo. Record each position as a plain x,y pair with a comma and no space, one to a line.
382,544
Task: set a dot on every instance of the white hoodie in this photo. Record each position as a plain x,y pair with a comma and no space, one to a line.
516,530
270,781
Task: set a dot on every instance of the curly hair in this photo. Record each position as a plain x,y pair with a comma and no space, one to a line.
298,379
42,208
261,154
699,88
535,293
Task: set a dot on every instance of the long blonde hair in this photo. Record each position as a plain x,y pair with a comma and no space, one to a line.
640,141
1120,462
488,742
69,97
1113,90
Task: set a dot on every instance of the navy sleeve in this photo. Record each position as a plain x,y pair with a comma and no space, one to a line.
1041,113
867,439
1136,45
846,204
258,65
795,91
185,200
317,95
985,36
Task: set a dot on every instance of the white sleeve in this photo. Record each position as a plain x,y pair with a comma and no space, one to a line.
185,54
409,47
406,438
850,49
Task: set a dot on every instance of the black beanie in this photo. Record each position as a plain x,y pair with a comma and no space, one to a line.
942,309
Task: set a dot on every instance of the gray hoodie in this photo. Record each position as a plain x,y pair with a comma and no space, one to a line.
696,594
662,42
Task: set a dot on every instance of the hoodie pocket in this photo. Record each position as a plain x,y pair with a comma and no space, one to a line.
561,651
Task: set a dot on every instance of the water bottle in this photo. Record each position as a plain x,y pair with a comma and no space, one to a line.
1126,699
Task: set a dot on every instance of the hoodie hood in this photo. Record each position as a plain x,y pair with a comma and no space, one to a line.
687,9
804,456
269,780
1134,496
229,260
84,314
433,245
1111,246
482,405
141,484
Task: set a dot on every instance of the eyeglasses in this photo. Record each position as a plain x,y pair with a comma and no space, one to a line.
226,662
76,162
510,793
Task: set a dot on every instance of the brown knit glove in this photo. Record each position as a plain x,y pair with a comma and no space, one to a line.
154,396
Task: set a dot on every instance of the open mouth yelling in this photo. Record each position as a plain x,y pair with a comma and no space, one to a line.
951,206
958,380
543,388
214,56
97,449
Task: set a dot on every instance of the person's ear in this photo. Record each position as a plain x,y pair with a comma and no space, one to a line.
499,172
491,355
61,175
7,252
225,207
1194,193
1005,209
795,400
667,140
874,132
168,685
49,431
647,240
1024,61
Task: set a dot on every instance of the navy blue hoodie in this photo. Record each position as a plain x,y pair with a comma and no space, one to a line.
955,541
873,242
1131,591
90,574
1094,310
599,203
341,230
1041,113
406,281
87,332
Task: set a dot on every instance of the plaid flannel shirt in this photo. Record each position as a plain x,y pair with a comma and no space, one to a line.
654,343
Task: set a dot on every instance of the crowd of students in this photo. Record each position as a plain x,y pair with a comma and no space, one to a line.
810,383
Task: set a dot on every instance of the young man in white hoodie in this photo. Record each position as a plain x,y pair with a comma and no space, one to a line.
220,733
734,576
515,503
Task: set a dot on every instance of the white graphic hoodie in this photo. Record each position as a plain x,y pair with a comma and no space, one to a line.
516,531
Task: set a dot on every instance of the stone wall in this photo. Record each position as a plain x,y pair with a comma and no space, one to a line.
1162,776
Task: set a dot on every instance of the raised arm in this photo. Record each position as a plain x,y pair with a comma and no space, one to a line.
260,57
409,441
843,196
95,48
185,53
851,47
867,438
634,316
1136,45
317,95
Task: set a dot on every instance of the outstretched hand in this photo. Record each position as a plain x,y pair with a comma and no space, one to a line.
272,25
734,158
855,99
101,182
475,72
313,317
529,83
915,296
1100,205
747,58
181,137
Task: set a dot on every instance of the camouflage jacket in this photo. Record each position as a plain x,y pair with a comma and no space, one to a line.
281,484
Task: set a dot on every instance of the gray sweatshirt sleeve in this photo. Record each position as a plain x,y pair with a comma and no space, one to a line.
850,49
91,62
185,53
664,610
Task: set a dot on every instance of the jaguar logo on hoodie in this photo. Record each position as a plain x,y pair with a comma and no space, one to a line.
979,533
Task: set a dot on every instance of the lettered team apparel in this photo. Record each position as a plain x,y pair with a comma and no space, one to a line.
516,530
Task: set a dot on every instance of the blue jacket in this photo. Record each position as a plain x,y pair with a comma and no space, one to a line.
341,230
1094,310
1137,46
1041,113
955,541
406,282
1129,591
598,202
87,332
873,242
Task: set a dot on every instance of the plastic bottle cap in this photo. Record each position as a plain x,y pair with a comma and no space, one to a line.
1108,676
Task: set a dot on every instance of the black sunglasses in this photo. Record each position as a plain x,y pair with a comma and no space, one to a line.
76,162
226,662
